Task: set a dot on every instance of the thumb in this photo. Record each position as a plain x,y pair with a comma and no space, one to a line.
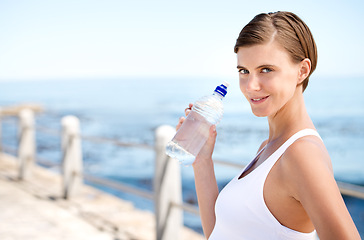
207,150
212,136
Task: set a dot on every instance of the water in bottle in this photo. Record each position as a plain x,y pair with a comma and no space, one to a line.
194,132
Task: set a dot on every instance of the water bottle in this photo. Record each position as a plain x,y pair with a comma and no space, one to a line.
194,132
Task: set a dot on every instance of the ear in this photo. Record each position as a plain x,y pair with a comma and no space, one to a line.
304,70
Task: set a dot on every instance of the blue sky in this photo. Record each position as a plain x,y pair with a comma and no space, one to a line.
49,39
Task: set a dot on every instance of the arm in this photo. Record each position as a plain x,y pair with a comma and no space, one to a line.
312,183
206,185
205,180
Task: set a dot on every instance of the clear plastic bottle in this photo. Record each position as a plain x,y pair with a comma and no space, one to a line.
194,132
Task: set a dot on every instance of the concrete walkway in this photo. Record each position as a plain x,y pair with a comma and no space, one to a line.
24,216
33,210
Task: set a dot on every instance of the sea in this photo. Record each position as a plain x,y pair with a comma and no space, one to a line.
129,109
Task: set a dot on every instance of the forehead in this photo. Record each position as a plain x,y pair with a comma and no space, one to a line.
270,53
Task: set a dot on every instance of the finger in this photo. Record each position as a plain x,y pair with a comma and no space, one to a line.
188,110
212,135
208,148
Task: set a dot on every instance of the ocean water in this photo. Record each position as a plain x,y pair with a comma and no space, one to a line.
130,110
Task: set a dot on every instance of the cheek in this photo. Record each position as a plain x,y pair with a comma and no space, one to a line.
242,85
291,82
287,87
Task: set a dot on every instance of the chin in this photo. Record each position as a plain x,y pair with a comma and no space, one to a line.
263,112
260,114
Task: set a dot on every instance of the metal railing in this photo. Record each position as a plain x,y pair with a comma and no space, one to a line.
167,195
113,184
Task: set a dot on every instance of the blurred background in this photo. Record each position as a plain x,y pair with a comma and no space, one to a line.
126,67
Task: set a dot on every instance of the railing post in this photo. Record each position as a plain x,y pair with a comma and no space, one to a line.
26,148
167,188
72,156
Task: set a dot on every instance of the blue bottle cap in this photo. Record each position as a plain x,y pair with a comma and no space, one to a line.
222,89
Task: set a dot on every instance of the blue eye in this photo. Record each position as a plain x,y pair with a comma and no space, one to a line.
243,71
266,70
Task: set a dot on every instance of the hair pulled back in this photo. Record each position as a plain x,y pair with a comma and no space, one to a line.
288,30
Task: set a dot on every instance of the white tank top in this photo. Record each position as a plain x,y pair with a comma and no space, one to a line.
241,213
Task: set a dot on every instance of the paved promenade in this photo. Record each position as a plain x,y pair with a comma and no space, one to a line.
33,210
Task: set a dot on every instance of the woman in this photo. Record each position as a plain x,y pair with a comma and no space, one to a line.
288,191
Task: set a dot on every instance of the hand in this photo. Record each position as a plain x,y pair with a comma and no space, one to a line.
206,151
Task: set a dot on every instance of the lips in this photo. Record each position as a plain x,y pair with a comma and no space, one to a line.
259,99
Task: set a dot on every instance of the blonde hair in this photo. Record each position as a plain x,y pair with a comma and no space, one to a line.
288,30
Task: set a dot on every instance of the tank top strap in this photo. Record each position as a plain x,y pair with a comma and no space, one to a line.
278,153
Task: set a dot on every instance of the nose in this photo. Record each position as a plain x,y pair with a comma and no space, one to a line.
252,83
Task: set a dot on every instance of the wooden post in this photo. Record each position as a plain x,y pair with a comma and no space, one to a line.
72,156
26,148
167,188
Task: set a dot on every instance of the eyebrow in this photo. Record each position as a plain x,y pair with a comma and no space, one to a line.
261,66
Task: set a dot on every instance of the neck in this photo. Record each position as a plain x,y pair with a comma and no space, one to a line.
291,118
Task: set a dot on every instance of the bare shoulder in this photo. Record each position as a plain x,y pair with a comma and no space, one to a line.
307,175
306,161
307,152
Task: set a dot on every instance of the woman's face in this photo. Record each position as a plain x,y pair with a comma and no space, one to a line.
268,77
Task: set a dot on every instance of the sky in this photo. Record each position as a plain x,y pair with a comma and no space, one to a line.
64,39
